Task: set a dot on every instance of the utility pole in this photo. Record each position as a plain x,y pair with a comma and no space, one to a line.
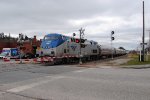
149,38
143,38
81,34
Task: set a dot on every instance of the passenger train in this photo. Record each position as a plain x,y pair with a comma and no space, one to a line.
58,45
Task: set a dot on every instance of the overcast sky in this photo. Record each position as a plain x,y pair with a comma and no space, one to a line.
97,17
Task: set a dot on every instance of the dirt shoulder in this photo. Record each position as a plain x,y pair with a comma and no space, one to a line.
116,62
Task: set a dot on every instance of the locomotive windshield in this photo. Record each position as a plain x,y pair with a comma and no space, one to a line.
49,38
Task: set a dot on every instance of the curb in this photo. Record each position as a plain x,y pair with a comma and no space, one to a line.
136,67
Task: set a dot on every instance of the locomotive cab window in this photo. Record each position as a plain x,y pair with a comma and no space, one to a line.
49,38
65,51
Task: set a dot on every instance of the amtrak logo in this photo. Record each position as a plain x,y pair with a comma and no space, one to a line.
73,47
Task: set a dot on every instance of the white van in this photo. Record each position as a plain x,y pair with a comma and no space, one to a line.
9,52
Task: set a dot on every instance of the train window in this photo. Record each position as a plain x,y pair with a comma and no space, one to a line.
91,43
95,43
63,37
94,51
50,38
64,50
52,52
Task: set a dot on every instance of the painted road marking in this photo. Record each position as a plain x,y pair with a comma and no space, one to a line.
2,93
29,86
79,71
106,67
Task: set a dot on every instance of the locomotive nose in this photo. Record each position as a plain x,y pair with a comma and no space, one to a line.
46,47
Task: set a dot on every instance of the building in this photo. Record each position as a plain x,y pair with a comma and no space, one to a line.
7,41
28,45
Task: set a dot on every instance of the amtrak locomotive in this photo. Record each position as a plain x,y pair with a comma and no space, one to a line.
58,45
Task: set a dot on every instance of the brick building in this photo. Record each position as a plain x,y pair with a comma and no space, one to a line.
10,42
7,42
28,46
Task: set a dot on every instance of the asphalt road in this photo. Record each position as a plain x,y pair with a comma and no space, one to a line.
66,82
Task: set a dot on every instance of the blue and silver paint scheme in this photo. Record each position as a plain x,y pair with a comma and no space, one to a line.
58,45
53,42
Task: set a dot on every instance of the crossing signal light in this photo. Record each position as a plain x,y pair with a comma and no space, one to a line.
82,40
112,38
74,34
112,32
77,40
72,40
